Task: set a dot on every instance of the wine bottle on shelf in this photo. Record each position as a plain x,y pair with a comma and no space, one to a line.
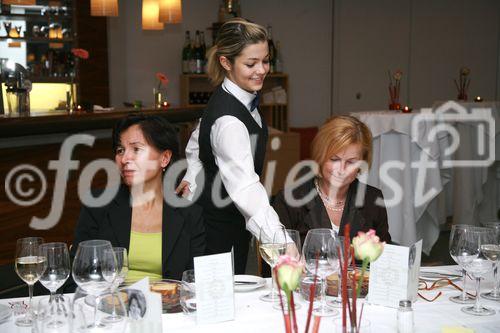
203,52
278,63
198,54
186,53
272,50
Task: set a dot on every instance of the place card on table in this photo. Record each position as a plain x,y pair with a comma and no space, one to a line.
213,276
394,275
151,319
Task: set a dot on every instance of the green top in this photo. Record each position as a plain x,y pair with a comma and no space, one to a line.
144,256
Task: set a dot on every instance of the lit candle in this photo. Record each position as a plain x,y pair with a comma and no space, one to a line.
478,99
164,104
79,107
406,109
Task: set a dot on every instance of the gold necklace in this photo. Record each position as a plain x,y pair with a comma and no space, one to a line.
333,206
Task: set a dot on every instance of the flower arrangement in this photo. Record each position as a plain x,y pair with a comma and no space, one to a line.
462,84
288,272
77,54
367,248
394,89
160,99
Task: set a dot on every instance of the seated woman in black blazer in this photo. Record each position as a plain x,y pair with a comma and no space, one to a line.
342,144
161,239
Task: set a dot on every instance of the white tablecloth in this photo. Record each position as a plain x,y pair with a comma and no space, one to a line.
471,195
253,315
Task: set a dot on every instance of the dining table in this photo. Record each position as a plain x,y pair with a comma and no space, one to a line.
254,315
427,199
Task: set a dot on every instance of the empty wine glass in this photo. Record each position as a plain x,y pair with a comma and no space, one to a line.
337,301
457,231
29,265
471,256
122,271
321,257
57,272
492,252
94,270
272,244
293,244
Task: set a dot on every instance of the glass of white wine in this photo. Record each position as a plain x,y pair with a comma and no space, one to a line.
30,265
272,244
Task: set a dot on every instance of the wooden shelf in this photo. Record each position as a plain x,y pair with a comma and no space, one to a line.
36,17
49,79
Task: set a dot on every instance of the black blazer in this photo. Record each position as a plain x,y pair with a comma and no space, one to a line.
183,231
313,213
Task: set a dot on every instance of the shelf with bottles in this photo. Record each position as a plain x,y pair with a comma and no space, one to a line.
195,89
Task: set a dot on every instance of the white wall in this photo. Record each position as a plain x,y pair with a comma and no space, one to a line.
429,40
136,55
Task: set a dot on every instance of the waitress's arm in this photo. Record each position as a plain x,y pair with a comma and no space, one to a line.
193,161
230,143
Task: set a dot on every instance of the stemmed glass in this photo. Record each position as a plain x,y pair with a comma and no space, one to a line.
492,252
57,272
272,244
471,256
29,265
457,231
337,302
122,271
94,270
320,249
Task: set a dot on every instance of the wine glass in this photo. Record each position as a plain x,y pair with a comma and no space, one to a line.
321,258
492,252
457,230
29,265
337,301
472,257
293,244
272,244
57,272
94,270
122,271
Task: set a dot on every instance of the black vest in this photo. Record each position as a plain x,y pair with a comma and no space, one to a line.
221,104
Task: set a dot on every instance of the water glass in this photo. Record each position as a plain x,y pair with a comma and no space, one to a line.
494,294
58,267
321,259
54,316
188,292
121,256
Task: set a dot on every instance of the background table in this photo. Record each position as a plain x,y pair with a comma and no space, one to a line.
470,195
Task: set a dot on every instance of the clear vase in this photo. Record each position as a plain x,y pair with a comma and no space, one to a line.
160,98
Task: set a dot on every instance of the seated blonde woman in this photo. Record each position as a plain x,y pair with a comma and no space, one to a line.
342,144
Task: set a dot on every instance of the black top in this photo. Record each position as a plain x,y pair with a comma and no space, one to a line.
222,104
313,213
183,231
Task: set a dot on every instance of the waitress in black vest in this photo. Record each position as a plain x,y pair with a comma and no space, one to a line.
229,143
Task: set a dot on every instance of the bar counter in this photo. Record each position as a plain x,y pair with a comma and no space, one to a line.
61,121
30,148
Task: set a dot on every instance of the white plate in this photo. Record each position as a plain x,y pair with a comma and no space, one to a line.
434,275
254,282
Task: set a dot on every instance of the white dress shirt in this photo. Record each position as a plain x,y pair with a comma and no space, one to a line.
232,150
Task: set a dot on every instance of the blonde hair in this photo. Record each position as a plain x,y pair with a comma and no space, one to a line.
233,36
336,134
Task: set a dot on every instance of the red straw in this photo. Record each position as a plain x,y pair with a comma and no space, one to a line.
354,291
317,321
285,316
